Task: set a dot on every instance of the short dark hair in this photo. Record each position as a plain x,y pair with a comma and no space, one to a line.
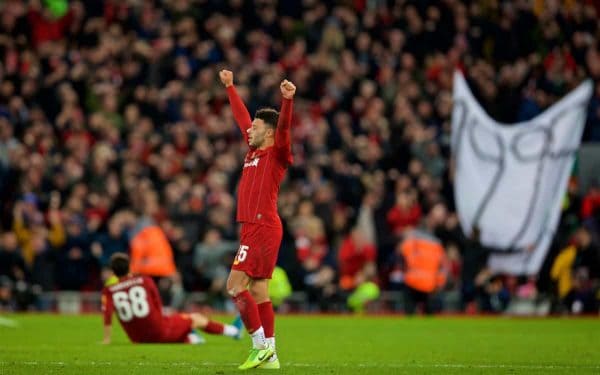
119,264
269,116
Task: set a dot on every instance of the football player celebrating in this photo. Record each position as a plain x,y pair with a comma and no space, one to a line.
269,155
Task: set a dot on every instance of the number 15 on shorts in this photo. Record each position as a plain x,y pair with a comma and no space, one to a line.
241,254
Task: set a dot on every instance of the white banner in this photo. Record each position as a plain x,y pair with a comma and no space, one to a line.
510,180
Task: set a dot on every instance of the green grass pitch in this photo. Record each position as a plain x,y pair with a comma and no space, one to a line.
53,344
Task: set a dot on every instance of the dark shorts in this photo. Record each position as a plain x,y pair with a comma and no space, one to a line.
257,254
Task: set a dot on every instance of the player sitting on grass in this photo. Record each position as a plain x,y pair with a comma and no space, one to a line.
139,308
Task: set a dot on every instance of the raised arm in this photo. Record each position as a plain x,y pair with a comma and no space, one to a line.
240,112
107,311
283,141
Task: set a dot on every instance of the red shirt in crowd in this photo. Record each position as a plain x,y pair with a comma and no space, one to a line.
44,30
591,202
313,250
353,258
399,218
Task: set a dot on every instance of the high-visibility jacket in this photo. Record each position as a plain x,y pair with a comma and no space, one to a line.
424,261
151,253
562,270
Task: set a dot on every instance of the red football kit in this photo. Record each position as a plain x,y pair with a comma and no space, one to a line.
262,174
139,309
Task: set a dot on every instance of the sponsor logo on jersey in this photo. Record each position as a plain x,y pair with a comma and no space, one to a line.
252,163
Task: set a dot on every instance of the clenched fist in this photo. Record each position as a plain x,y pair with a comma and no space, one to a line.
287,89
226,77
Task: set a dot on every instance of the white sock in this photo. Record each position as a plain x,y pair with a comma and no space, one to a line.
271,341
258,339
230,331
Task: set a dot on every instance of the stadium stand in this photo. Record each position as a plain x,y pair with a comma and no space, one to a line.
111,115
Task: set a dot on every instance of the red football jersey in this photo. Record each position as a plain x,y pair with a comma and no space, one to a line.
263,169
138,306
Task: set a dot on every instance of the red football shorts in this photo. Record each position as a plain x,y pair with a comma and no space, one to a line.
259,246
175,328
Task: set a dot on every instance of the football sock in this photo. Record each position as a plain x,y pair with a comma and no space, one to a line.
271,341
214,328
258,339
194,338
230,331
267,318
248,311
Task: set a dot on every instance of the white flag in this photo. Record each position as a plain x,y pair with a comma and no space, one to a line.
510,180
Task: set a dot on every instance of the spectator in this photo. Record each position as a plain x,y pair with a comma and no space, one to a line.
316,260
590,207
14,275
357,269
12,264
8,143
74,258
406,213
577,273
28,222
6,297
151,253
474,260
425,269
113,241
211,257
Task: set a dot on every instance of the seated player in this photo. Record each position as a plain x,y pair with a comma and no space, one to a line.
139,308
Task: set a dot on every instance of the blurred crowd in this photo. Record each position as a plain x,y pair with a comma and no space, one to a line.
112,115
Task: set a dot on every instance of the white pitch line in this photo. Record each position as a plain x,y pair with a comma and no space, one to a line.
292,364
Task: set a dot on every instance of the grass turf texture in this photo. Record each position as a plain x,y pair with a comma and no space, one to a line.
53,344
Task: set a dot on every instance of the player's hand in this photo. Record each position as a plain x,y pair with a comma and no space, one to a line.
226,77
287,89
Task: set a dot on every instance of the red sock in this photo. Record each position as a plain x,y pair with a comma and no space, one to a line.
248,311
214,328
267,317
